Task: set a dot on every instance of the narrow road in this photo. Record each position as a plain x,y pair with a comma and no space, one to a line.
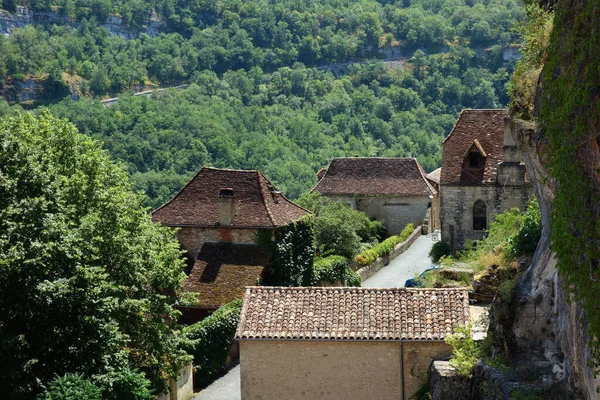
225,388
408,264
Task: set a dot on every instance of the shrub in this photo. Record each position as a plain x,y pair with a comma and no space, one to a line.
334,269
338,228
125,384
330,269
211,342
526,240
438,250
71,387
384,248
465,351
408,229
352,278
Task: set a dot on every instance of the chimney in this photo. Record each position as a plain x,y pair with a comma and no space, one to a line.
226,207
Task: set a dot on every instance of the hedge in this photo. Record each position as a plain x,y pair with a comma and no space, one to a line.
384,248
211,342
334,269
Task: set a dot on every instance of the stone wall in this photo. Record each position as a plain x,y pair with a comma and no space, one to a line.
181,388
371,269
303,369
394,211
416,362
311,369
192,238
456,211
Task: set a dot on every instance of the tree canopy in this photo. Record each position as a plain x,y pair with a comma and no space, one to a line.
87,280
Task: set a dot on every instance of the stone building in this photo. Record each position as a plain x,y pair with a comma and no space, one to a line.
394,191
344,343
482,175
219,213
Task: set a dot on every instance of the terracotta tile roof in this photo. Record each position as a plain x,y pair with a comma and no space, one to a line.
434,176
222,272
374,176
482,128
333,313
256,201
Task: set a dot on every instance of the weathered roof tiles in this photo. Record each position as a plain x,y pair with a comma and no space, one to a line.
374,176
483,128
329,313
257,203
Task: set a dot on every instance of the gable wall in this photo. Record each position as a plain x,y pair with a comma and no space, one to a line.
394,211
304,369
310,369
192,238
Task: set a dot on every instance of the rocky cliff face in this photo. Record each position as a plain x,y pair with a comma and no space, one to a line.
115,25
541,320
544,318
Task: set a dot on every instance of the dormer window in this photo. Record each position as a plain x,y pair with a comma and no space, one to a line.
474,159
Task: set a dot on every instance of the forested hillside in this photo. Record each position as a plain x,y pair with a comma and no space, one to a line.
257,100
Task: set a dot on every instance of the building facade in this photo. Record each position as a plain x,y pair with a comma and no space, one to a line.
394,191
482,175
344,343
218,215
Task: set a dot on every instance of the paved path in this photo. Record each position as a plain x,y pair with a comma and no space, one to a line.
413,261
224,388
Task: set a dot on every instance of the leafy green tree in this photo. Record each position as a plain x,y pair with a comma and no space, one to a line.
87,280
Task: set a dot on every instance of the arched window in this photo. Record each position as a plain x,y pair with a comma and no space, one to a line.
479,216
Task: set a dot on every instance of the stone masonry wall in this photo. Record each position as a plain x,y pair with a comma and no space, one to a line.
192,238
310,370
394,211
456,211
416,362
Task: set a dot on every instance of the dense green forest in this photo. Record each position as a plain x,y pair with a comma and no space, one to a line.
221,35
256,100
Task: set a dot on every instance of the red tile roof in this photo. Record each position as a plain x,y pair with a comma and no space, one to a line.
333,313
257,203
374,176
482,128
222,272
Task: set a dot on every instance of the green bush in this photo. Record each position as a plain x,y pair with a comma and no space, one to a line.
438,250
71,387
329,269
334,269
384,248
211,342
408,229
352,278
465,351
125,384
338,228
526,240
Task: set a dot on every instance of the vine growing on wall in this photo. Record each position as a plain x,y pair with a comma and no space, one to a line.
569,116
291,251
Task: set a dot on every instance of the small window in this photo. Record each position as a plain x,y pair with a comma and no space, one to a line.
479,216
474,160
